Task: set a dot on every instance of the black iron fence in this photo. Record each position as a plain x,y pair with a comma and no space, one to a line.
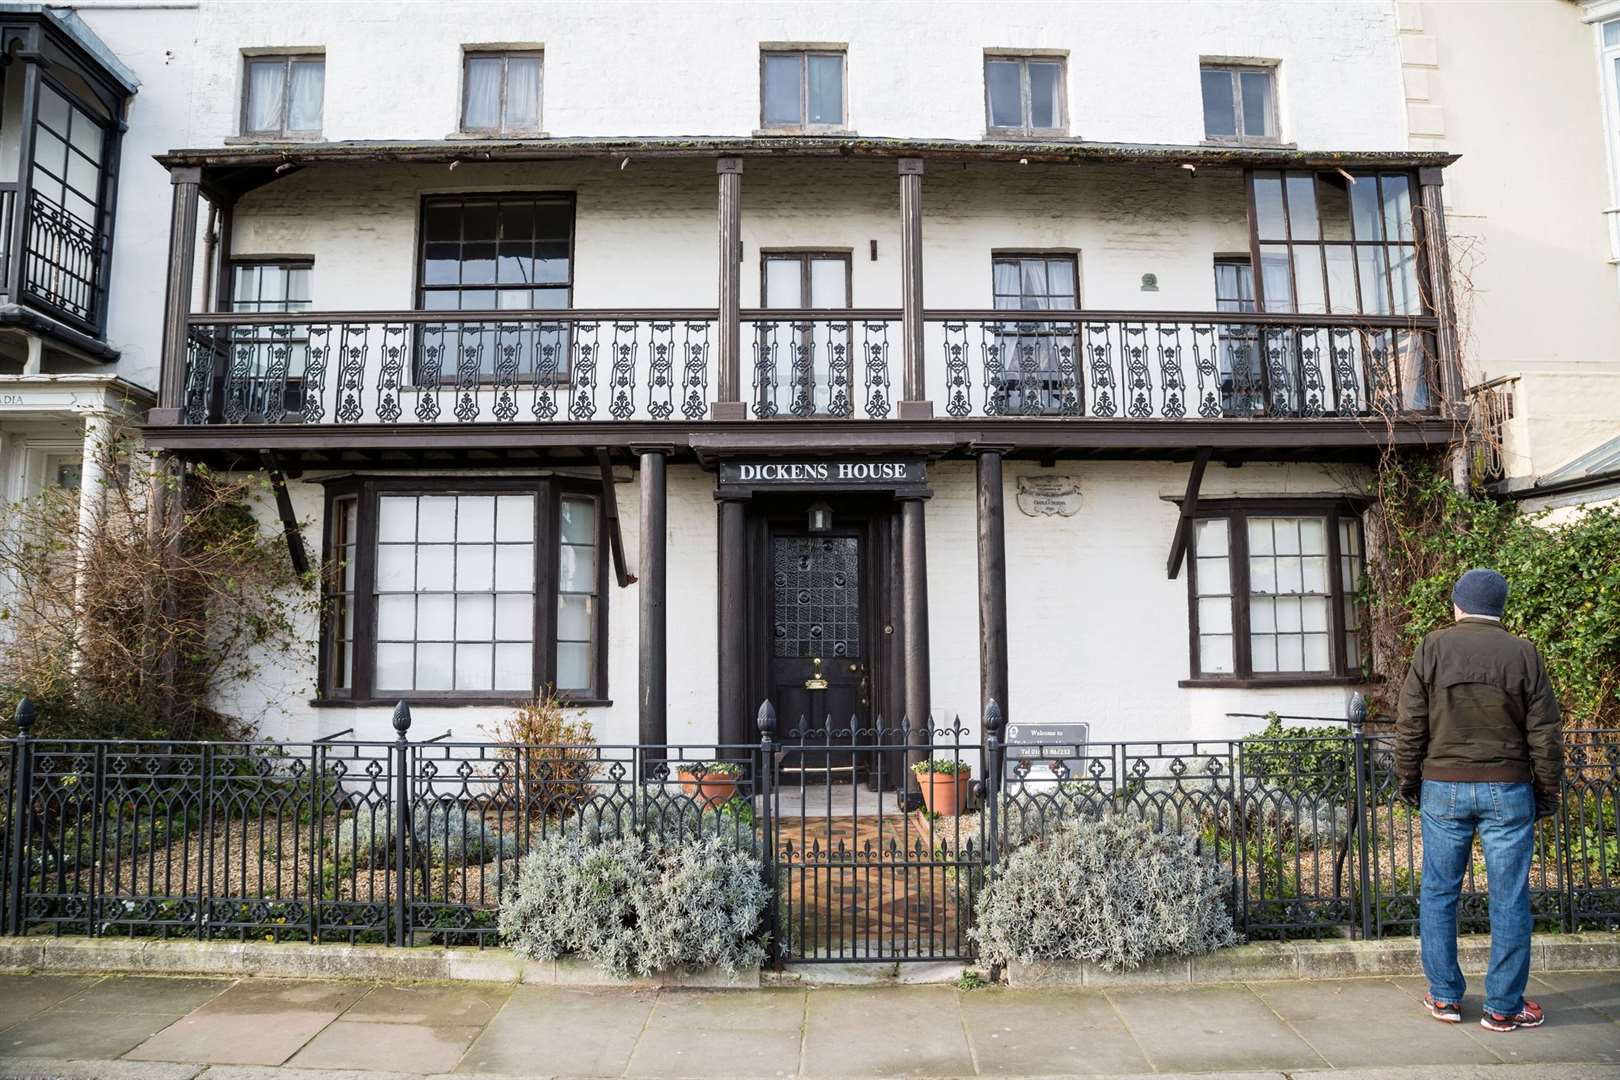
878,840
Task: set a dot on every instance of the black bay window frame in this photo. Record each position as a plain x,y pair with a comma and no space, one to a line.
1236,513
548,492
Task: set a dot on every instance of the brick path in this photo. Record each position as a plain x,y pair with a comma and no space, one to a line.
155,1028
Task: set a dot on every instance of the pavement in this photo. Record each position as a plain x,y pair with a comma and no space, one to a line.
134,1027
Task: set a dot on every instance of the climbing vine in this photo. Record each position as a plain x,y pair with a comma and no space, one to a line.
1564,581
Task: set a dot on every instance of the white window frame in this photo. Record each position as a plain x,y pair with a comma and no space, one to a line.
286,57
505,56
1233,69
1608,56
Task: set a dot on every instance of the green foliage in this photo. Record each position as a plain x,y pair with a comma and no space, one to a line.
942,766
1564,583
705,770
971,979
1314,762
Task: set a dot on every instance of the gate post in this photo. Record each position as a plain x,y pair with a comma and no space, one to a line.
1362,817
22,781
402,824
993,749
765,772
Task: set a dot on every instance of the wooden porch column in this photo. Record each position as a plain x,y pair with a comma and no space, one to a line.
728,403
1437,254
914,602
736,716
992,583
187,183
914,403
654,660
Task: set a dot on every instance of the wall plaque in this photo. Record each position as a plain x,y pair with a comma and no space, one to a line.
1034,749
1048,496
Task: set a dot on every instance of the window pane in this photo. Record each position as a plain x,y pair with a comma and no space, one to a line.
396,567
522,93
579,521
783,283
435,616
573,618
1374,298
308,88
475,617
475,667
396,617
54,110
1397,207
1308,277
483,107
1215,654
1215,616
475,518
514,667
434,667
394,667
1341,271
1302,207
1210,536
781,90
436,567
1275,277
829,284
514,568
1214,577
1364,210
1001,79
1403,280
826,89
437,517
1611,34
1220,118
514,618
576,568
1060,284
266,82
1045,88
475,566
1268,206
1255,88
396,519
573,665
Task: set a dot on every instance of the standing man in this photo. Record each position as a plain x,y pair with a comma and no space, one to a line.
1478,747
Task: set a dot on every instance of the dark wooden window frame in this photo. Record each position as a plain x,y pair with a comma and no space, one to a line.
287,59
1025,126
502,130
1237,512
548,492
228,303
1232,71
803,257
804,126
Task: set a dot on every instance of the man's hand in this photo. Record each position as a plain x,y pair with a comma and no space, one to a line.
1546,804
1412,794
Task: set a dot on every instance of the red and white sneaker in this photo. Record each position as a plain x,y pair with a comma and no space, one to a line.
1529,1015
1448,1012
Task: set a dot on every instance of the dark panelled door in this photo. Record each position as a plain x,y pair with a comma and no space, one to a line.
819,653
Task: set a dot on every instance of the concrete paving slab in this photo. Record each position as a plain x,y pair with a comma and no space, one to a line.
444,1006
1207,1029
1595,990
1333,1017
145,994
267,1072
904,1031
252,996
1571,1033
417,1048
1036,1032
56,1069
56,1034
723,1010
21,996
234,1038
712,1052
551,1029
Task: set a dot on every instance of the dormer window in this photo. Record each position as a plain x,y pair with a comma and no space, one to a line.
283,96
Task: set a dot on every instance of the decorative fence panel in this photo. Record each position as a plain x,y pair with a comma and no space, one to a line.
411,842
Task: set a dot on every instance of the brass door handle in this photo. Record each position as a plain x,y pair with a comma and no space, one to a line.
815,681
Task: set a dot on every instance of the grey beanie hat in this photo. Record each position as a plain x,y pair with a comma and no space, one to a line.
1481,592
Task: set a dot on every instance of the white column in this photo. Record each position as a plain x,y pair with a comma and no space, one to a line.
92,489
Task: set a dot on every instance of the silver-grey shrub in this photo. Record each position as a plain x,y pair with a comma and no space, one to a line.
637,905
1111,891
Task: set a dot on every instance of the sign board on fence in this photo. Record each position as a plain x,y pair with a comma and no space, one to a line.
1043,746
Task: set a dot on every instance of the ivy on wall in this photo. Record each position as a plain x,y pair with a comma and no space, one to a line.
1564,583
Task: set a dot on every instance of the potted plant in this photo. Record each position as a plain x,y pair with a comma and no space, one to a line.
944,783
712,783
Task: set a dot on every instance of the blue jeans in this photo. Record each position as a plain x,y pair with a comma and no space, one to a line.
1505,817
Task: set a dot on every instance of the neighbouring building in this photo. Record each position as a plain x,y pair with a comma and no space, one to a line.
774,360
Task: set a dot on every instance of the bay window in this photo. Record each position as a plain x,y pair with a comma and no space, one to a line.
1273,590
463,591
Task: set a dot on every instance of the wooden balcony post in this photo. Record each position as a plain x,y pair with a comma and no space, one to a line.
729,405
736,718
992,581
651,579
1437,254
914,605
914,403
187,183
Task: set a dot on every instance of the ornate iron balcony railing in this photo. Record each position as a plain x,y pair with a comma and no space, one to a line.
656,365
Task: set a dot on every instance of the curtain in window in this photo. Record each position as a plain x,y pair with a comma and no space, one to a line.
265,85
307,89
826,89
483,94
522,93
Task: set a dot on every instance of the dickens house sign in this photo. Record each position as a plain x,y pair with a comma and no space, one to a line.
827,474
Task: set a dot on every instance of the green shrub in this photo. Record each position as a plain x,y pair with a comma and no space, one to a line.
638,905
1113,891
943,766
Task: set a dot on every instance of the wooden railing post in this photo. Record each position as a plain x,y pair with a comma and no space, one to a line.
914,402
728,404
187,182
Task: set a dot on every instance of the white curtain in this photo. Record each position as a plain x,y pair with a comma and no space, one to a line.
307,90
522,94
483,94
266,81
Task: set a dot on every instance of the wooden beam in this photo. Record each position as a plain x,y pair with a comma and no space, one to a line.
284,507
1189,507
654,652
992,581
729,405
610,505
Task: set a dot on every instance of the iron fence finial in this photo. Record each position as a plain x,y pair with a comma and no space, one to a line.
1356,710
992,717
25,716
402,718
766,718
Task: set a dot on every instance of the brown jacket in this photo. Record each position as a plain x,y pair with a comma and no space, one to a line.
1477,705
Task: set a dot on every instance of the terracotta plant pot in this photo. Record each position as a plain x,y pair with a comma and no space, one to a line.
711,789
944,794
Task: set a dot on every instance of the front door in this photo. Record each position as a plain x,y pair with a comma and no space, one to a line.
818,614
